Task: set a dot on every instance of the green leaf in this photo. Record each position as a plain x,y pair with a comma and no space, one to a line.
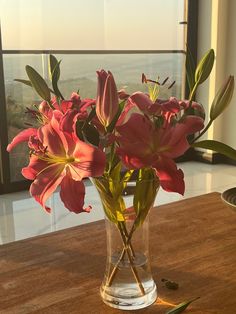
90,134
38,83
25,82
111,126
54,67
204,67
91,115
190,69
218,147
28,83
79,128
111,197
53,62
222,98
181,307
115,172
106,198
145,192
87,131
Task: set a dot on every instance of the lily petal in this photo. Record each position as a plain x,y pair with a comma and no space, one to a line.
35,166
51,136
176,138
23,136
72,194
142,101
46,183
89,161
171,178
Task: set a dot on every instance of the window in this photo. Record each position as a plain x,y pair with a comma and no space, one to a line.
128,37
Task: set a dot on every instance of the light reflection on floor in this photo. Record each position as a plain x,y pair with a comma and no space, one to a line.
21,217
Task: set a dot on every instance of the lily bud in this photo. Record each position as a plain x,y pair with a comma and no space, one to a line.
204,67
222,98
107,103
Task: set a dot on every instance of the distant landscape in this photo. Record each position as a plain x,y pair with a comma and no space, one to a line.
78,72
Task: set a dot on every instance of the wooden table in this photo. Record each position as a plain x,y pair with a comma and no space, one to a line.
192,242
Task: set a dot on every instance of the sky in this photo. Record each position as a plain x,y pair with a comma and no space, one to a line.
92,24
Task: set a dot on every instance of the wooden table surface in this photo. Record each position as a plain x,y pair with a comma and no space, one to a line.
192,242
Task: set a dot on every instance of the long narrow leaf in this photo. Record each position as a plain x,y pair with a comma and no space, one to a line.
28,83
217,147
25,82
181,307
52,64
111,126
55,74
190,69
145,193
38,83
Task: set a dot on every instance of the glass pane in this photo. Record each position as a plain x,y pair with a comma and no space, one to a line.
18,97
144,25
79,72
92,24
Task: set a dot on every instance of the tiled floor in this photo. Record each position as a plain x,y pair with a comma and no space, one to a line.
21,217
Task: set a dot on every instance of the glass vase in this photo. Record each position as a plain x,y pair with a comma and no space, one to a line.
128,282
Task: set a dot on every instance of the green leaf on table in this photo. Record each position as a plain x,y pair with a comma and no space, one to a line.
38,83
204,67
217,147
181,307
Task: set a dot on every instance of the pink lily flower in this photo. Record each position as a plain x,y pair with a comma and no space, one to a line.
107,103
148,107
64,162
75,103
142,144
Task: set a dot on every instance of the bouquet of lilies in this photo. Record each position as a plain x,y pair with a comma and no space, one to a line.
113,135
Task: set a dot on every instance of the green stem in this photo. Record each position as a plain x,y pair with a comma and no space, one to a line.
203,132
193,92
133,268
115,269
127,236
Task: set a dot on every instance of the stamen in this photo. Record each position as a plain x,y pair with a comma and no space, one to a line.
145,80
171,85
165,80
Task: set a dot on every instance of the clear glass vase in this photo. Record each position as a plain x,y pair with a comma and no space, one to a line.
128,282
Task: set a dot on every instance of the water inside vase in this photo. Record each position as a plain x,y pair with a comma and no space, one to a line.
124,291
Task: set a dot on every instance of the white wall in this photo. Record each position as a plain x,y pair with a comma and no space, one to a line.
229,118
216,30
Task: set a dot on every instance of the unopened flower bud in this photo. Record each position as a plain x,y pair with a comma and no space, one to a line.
222,98
204,67
107,103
